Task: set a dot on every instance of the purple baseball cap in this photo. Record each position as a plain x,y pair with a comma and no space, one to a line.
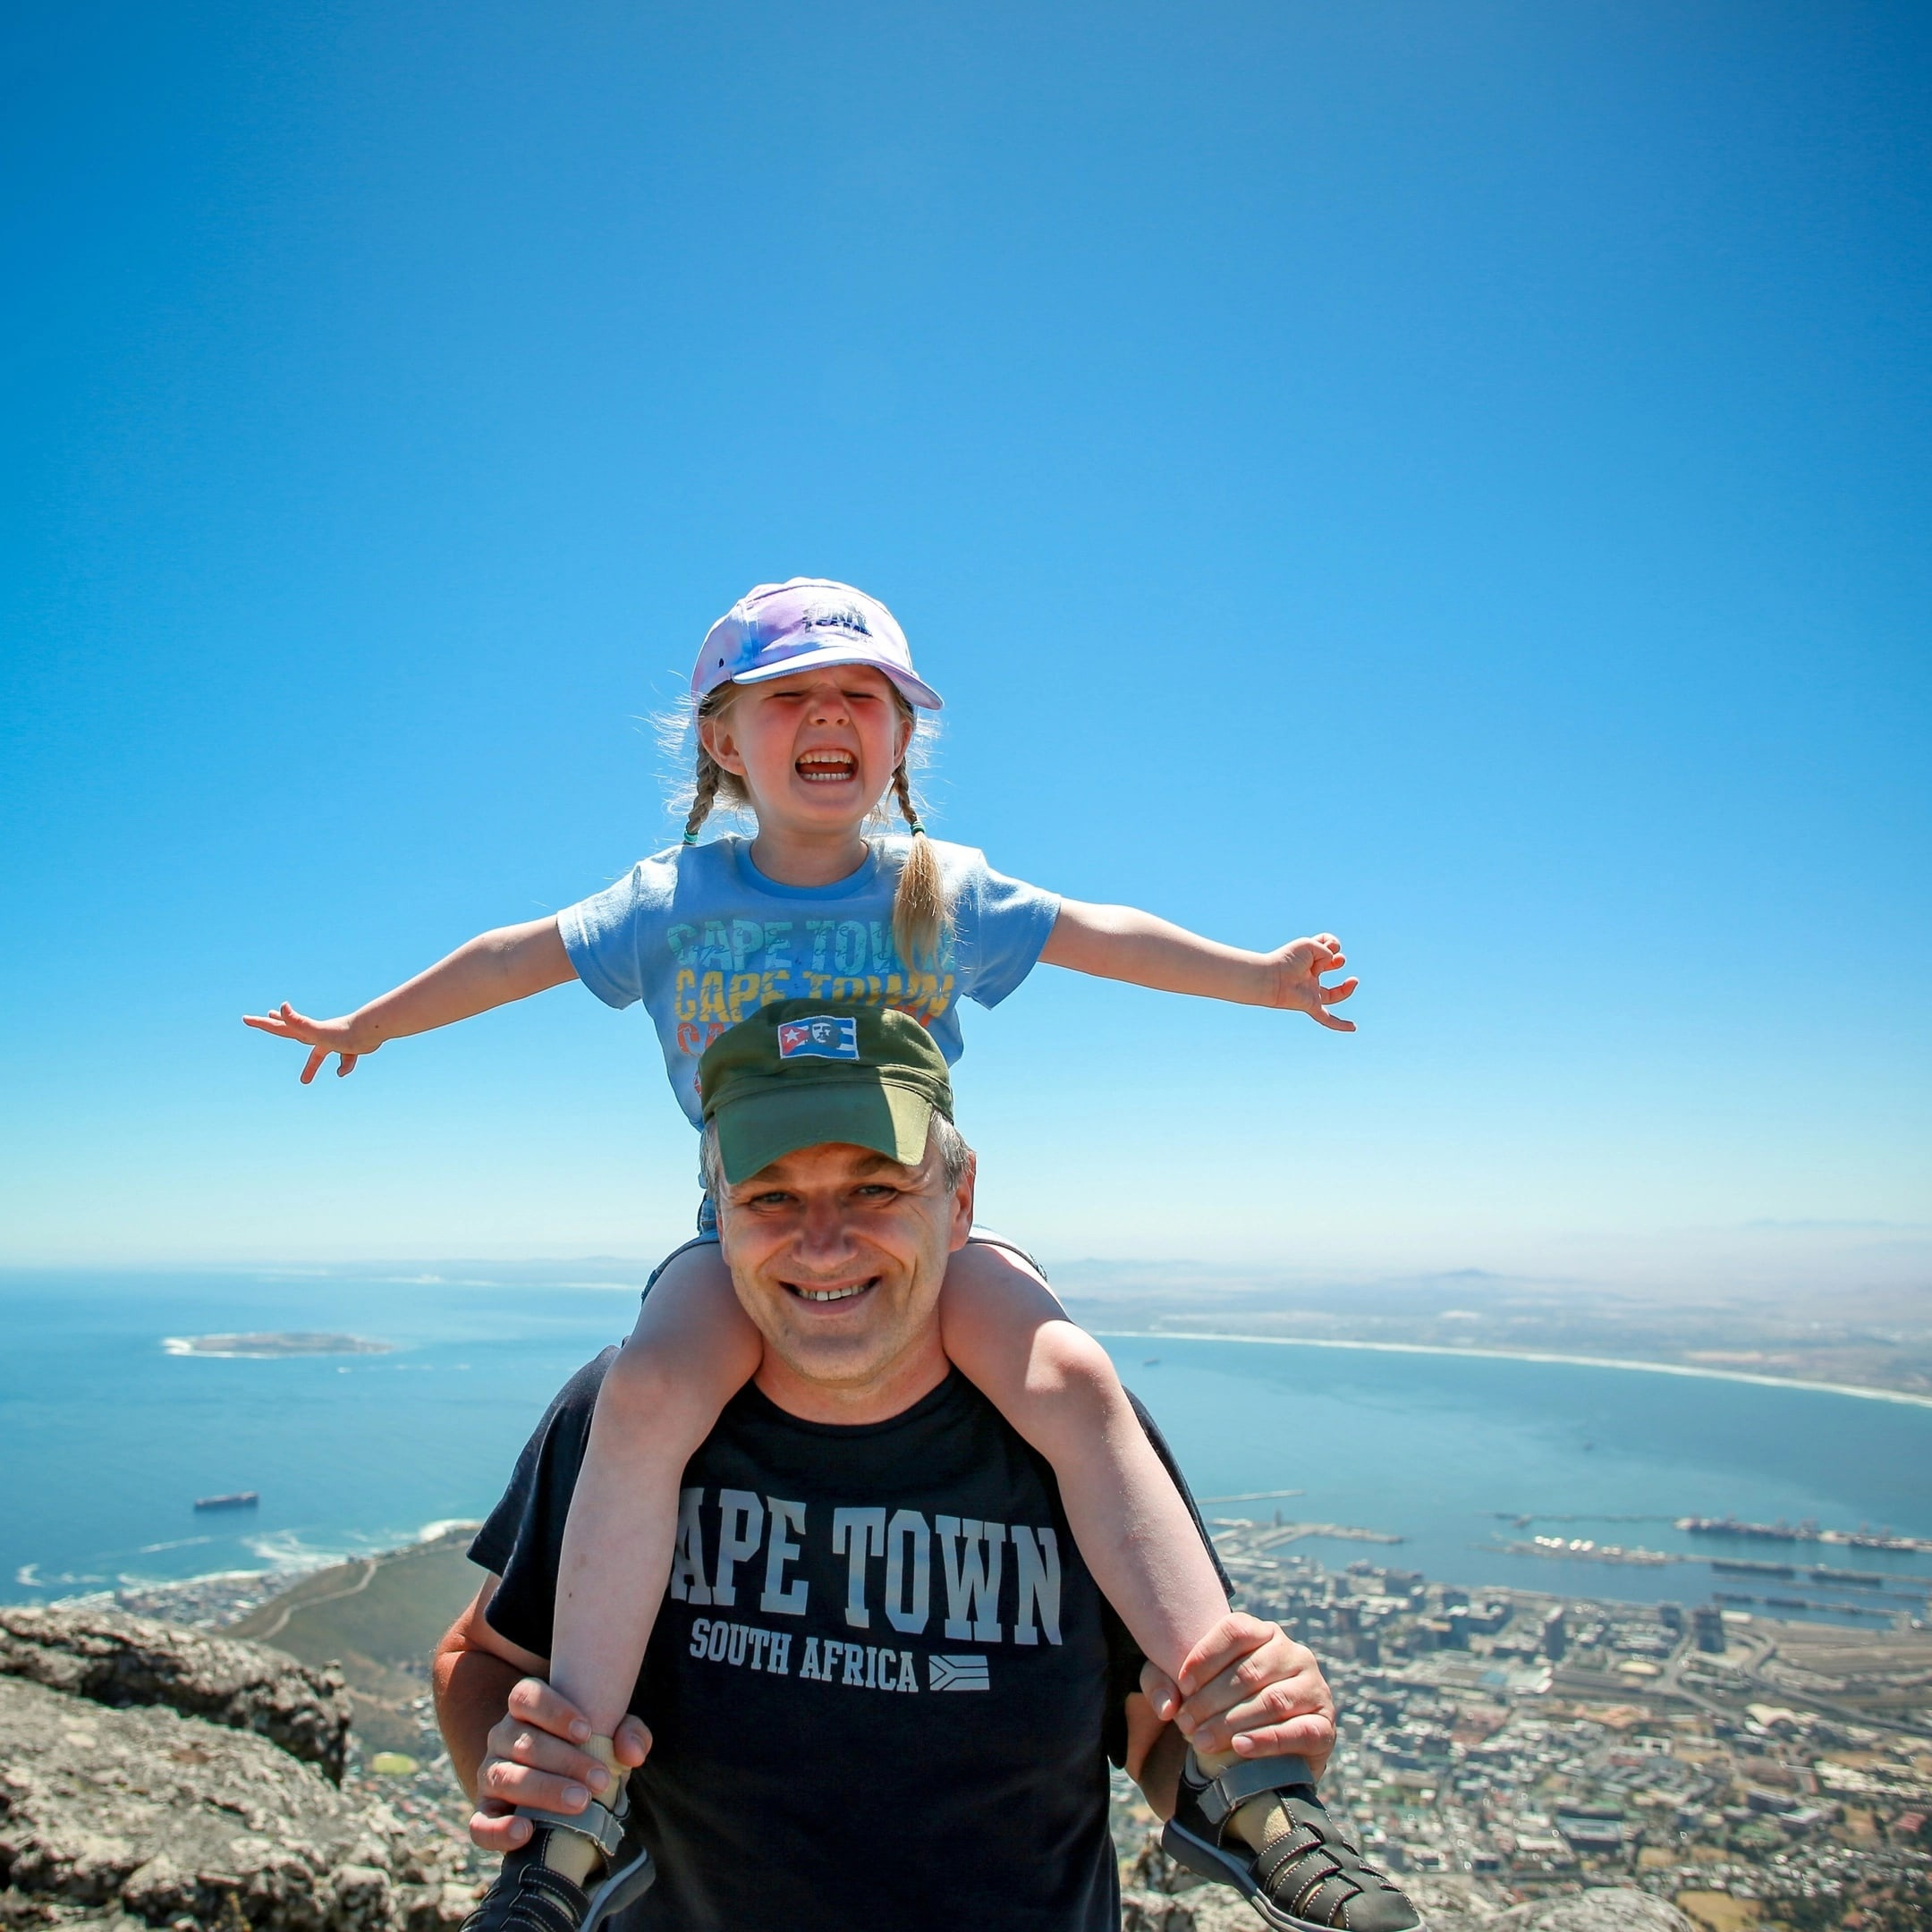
800,625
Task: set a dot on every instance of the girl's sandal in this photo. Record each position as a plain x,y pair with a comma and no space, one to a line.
1308,1879
527,1896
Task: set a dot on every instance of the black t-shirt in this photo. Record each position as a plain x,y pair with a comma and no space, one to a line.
882,1687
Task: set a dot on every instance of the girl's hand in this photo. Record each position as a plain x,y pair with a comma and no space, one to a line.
1294,978
326,1036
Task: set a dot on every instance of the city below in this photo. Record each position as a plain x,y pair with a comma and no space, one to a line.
1501,1743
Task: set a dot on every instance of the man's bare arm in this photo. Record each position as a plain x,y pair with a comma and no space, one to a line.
474,1671
512,1739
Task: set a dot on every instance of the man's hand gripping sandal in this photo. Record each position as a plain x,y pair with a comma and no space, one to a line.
1308,1878
527,1896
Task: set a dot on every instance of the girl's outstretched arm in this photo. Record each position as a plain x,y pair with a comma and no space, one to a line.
1122,943
492,969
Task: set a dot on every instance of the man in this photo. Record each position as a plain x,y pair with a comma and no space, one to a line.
882,1688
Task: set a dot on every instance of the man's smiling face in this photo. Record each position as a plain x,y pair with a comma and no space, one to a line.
837,1255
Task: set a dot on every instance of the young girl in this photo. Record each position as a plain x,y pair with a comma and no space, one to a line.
806,706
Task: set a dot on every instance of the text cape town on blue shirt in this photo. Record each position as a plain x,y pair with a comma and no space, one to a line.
703,938
882,1687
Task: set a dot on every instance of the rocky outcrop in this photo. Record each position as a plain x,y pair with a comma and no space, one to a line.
1602,1909
1163,1897
1212,1909
110,1658
142,1817
1216,1909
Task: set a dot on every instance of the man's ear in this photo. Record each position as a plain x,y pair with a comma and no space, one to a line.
962,1206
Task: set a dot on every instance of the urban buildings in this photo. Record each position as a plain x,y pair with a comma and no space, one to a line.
1497,1743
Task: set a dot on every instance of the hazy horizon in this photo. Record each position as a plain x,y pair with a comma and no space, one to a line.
1878,1262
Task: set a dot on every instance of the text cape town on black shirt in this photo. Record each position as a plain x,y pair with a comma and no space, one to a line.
882,1688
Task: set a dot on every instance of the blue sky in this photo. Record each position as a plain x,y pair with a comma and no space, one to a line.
1455,476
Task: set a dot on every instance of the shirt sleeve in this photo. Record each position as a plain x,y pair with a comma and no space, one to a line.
522,1540
606,934
1011,922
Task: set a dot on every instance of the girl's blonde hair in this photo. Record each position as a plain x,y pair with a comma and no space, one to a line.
922,917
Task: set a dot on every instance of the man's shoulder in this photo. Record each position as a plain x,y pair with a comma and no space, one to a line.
565,1426
546,1470
578,1395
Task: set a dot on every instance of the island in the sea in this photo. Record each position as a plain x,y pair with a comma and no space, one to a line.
268,1346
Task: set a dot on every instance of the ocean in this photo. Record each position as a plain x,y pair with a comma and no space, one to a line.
106,1439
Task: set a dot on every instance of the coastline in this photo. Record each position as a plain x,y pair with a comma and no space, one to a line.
1864,1392
218,1600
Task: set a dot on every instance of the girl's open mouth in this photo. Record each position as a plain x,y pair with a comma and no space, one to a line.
827,768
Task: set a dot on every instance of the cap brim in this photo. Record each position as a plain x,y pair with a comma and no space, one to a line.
764,1127
915,689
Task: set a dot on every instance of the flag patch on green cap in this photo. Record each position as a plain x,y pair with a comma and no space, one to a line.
818,1036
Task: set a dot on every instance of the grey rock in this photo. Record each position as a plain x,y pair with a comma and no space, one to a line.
1208,1908
1598,1909
1151,1873
110,1658
21,1911
1161,1897
1450,1905
1216,1909
149,1816
1155,1912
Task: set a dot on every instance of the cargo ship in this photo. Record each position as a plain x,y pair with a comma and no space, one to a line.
1808,1531
1729,1526
241,1499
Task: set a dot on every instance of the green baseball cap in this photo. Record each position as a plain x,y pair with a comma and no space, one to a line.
801,1073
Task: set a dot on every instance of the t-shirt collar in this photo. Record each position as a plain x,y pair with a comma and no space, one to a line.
859,880
941,1396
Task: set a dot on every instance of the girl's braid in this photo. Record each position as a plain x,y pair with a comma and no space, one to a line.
920,915
710,775
903,791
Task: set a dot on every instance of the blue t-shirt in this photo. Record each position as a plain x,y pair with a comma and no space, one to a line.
704,938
